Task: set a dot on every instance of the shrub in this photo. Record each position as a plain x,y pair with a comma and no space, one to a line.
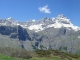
19,53
43,53
49,53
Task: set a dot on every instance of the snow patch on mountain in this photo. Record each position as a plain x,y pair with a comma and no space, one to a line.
79,37
36,28
63,22
33,20
58,22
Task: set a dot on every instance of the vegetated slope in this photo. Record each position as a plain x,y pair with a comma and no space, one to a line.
22,54
5,57
45,55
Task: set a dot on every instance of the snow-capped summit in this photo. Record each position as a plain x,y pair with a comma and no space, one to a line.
61,16
62,21
33,20
57,22
8,22
10,19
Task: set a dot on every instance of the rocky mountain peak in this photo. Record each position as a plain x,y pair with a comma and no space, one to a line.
61,16
10,19
57,22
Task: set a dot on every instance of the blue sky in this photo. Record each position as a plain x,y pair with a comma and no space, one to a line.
23,10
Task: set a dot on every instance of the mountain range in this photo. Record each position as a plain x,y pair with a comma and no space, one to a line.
47,33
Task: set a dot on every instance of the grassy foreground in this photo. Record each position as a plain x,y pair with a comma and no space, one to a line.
4,57
13,54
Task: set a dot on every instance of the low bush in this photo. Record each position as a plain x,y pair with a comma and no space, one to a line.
49,53
43,53
19,53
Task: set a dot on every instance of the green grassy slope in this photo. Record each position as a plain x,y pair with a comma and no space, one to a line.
38,55
4,57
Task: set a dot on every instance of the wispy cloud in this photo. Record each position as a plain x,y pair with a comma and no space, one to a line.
44,9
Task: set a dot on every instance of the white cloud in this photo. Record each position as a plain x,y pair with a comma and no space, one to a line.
44,9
